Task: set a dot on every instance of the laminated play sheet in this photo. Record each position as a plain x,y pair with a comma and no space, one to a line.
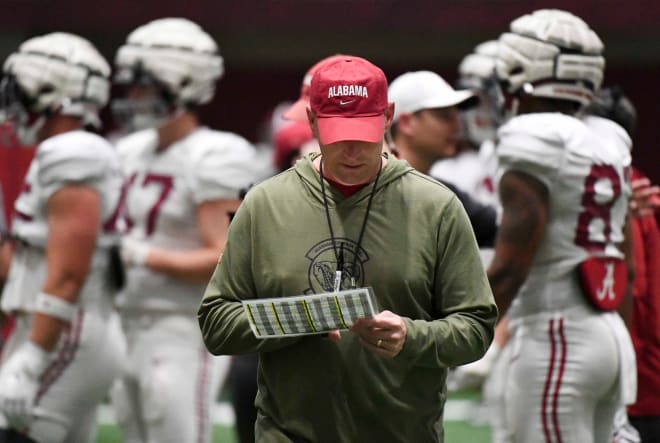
309,314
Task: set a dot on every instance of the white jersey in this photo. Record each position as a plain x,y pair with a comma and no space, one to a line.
77,157
472,172
464,171
585,166
163,190
486,191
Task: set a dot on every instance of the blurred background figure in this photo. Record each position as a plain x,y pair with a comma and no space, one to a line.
292,141
473,170
66,346
183,184
644,327
298,110
14,162
427,117
425,128
473,167
294,138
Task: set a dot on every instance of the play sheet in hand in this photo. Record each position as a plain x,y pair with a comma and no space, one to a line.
309,314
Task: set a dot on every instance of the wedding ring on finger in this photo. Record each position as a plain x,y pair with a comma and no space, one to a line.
379,343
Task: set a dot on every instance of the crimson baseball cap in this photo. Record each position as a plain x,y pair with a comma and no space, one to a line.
349,98
298,110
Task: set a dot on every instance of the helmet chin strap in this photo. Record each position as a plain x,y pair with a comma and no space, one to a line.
514,108
27,135
515,104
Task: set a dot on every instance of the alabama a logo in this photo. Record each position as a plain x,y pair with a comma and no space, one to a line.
323,264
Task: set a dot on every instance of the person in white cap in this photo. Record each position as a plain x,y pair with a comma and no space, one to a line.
426,122
426,127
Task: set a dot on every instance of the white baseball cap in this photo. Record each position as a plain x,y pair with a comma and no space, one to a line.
415,91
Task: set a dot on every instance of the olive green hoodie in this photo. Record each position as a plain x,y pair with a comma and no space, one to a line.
419,255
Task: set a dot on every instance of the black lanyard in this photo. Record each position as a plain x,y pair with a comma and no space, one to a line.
339,256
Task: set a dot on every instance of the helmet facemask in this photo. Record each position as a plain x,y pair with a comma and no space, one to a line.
16,110
480,123
477,72
141,101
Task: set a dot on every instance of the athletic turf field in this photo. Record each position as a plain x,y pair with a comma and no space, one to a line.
461,423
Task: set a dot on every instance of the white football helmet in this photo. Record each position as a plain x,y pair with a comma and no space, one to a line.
477,72
478,65
57,72
551,53
174,55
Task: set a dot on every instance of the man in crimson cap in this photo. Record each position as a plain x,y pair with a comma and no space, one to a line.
350,218
349,114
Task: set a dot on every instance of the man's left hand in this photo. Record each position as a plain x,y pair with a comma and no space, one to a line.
384,334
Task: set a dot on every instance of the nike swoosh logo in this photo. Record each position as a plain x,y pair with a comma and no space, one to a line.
342,102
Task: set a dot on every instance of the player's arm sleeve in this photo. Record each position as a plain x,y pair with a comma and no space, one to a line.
539,153
223,172
222,319
464,305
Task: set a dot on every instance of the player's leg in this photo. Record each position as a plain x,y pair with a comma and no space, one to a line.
243,380
125,396
125,391
623,431
519,418
564,368
19,334
179,381
493,392
85,429
88,359
221,368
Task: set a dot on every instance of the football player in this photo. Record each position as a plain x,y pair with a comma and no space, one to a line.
183,182
644,327
473,168
66,347
564,188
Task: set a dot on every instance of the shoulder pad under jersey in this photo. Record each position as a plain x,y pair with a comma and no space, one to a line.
222,165
609,130
73,157
536,143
